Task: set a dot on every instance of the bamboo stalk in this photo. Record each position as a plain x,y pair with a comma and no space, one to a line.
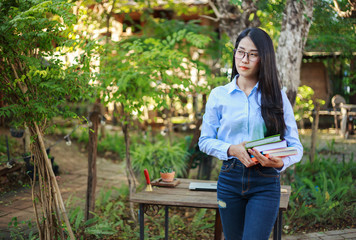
46,208
49,191
52,176
33,183
58,213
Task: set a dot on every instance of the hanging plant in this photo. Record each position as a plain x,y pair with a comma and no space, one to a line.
16,132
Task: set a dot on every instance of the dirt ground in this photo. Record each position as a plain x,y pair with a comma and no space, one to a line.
16,201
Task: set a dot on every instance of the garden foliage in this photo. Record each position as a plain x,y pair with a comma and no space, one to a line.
35,84
322,197
150,69
305,104
323,194
35,78
158,155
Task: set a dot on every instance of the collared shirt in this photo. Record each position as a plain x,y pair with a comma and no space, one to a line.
231,117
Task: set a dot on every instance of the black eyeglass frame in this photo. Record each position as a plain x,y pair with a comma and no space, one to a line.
245,53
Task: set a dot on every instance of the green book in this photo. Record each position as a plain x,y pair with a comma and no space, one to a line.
262,141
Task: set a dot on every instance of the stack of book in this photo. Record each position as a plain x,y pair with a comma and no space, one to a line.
271,146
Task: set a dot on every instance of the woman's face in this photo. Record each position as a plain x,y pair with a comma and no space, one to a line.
246,59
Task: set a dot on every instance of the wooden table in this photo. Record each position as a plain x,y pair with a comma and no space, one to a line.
181,196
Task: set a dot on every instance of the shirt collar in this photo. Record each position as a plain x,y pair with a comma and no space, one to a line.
232,86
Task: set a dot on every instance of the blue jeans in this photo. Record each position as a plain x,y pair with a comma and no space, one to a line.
248,200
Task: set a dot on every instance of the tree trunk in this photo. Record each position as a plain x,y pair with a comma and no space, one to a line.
205,168
169,125
294,33
353,79
129,171
231,20
102,126
27,140
2,118
92,153
195,140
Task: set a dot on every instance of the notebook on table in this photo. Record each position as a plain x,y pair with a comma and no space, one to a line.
201,186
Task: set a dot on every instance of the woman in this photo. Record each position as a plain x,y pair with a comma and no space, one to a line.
250,107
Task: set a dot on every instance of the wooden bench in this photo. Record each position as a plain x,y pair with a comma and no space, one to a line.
181,196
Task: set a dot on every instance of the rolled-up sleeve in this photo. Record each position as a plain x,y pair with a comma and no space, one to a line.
208,142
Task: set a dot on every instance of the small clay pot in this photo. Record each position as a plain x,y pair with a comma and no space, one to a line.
167,177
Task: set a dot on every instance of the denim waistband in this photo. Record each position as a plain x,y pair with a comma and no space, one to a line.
237,162
234,162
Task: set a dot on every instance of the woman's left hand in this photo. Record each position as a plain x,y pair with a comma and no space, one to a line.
275,162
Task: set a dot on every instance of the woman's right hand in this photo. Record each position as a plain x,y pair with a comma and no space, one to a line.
239,151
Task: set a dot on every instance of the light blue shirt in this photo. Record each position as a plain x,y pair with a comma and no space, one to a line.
231,118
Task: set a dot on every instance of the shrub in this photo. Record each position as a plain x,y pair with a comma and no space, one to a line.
323,194
155,156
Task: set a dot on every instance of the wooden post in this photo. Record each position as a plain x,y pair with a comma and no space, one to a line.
335,120
218,234
94,118
343,124
314,132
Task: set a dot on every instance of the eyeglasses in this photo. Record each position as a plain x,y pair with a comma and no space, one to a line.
253,57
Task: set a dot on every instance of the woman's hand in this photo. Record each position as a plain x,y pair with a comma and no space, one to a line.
275,162
239,151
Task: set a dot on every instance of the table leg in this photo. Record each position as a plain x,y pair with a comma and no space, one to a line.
343,124
142,222
277,230
166,217
218,226
350,125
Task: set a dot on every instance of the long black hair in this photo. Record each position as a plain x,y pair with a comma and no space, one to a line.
271,97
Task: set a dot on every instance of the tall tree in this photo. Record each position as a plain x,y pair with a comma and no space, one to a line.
104,12
153,70
294,33
233,18
36,83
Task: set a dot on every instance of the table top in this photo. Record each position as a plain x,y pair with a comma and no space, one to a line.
348,106
182,196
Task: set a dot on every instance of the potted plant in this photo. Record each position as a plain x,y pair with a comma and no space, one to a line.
17,132
167,174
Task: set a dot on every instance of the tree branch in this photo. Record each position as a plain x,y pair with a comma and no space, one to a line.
216,11
21,86
211,18
345,14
